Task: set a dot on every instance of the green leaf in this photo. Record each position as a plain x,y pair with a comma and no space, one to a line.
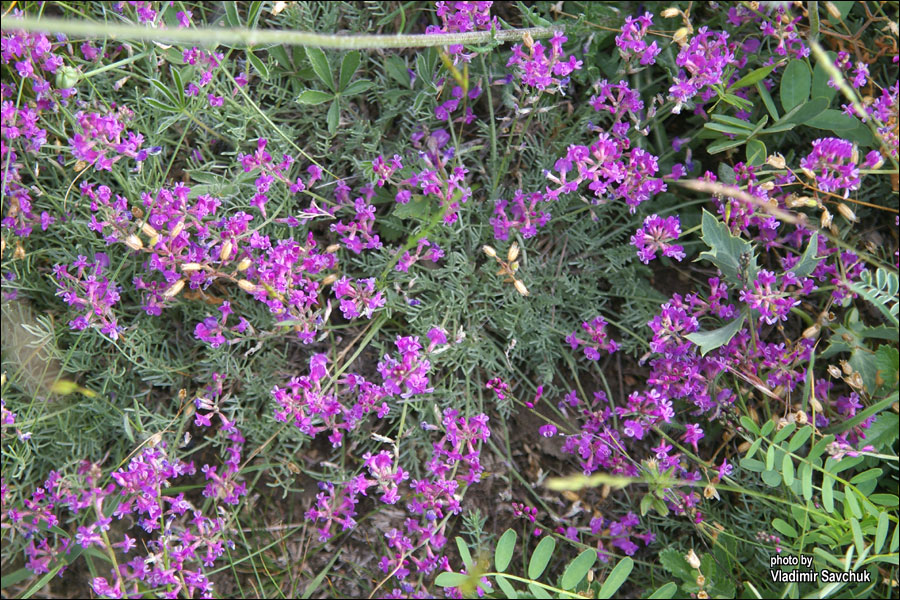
771,478
806,480
857,536
767,428
164,90
820,78
320,66
259,65
808,261
253,14
448,579
508,590
281,57
314,97
161,105
800,438
710,340
333,117
834,120
752,77
767,100
753,448
358,87
739,125
852,502
784,528
754,465
748,424
348,67
179,86
799,115
756,153
464,553
884,499
615,580
577,569
503,553
541,556
795,84
664,592
726,251
725,128
538,592
784,433
828,493
232,18
787,470
867,475
881,532
418,208
674,562
723,145
819,448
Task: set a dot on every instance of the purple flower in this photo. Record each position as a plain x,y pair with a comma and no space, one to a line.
832,163
655,235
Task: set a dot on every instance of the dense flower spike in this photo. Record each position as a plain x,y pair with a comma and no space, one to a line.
833,164
703,62
86,289
631,42
598,339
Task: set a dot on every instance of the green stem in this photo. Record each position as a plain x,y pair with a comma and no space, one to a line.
260,37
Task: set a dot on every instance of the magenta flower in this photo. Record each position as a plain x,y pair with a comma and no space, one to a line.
656,235
832,163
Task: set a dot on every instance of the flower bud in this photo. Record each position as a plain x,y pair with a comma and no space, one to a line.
513,252
812,332
174,289
247,286
244,265
147,228
177,229
225,252
681,36
520,287
189,267
847,213
134,242
776,160
692,559
489,251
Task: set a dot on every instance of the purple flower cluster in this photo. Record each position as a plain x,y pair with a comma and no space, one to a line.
613,169
462,17
523,217
358,233
833,164
86,289
540,70
182,540
358,299
703,61
772,299
425,250
212,331
33,58
437,180
598,339
631,42
102,139
656,235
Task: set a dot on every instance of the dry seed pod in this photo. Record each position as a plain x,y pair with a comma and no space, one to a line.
225,252
489,251
247,286
134,242
177,229
692,559
670,12
513,252
847,213
190,267
520,287
244,264
174,289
